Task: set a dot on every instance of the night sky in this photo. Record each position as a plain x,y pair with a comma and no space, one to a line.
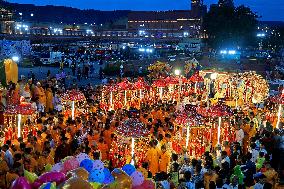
268,9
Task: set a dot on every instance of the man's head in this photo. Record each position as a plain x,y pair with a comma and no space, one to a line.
163,148
5,147
223,154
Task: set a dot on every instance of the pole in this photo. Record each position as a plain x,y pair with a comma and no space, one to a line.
125,97
110,101
140,91
179,89
19,125
187,137
132,150
73,110
161,92
209,87
279,116
219,129
195,86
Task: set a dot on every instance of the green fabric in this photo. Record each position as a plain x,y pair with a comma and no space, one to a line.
260,162
174,178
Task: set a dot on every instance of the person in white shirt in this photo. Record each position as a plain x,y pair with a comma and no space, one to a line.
240,135
8,157
254,152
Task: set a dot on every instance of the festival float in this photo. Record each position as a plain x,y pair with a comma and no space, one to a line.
71,98
221,111
159,69
130,144
176,87
159,85
125,86
141,86
13,119
188,123
110,101
241,89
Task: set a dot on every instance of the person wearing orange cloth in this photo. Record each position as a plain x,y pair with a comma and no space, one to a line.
3,170
165,159
96,136
271,176
152,157
38,145
15,95
40,94
252,130
144,119
49,100
209,176
29,160
39,124
246,129
61,123
90,138
43,160
13,174
103,147
107,135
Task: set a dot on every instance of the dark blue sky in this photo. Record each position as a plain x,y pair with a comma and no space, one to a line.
268,9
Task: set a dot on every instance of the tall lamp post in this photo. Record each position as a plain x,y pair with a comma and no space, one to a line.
177,73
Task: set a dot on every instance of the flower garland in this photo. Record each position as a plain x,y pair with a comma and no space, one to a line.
133,128
73,95
23,109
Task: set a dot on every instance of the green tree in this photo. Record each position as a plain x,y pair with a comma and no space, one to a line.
230,27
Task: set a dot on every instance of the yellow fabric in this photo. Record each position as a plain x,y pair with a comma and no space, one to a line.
34,165
208,178
49,98
3,170
10,177
252,132
164,162
11,71
41,163
153,159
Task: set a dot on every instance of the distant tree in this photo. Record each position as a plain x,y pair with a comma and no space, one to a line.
228,26
226,3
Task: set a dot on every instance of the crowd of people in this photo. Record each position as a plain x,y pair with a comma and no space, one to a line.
251,160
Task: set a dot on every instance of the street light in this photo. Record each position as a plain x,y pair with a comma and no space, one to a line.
177,72
32,14
213,76
15,58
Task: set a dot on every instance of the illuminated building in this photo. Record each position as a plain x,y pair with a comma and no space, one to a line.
6,21
162,24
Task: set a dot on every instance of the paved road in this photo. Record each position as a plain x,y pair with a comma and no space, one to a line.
41,73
